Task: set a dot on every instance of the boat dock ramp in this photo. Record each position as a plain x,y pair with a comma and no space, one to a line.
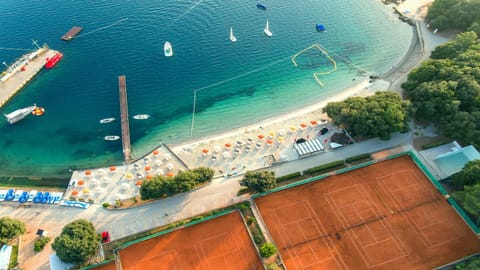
22,71
71,33
122,88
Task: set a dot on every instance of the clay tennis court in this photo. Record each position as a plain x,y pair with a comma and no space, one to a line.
384,216
220,243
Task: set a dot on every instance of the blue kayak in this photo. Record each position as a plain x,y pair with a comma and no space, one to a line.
321,28
262,7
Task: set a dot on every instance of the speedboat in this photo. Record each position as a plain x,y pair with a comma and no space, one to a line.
52,61
267,31
321,28
141,116
262,7
19,114
107,120
167,49
112,138
232,37
38,111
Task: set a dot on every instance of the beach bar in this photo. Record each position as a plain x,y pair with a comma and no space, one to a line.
71,33
122,87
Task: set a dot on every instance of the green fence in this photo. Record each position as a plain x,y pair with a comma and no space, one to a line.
462,213
427,172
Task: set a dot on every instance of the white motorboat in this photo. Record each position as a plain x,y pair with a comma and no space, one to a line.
267,31
232,37
141,116
107,120
19,114
167,49
112,138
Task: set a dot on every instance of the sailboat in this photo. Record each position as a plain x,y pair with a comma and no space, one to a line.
267,30
167,49
232,37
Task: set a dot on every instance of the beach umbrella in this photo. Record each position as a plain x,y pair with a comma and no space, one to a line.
75,192
86,191
129,175
280,139
92,183
149,176
136,165
170,166
313,122
160,171
258,145
293,129
167,157
282,132
156,152
226,154
170,174
303,125
139,183
270,142
113,168
158,163
260,136
217,149
205,151
146,160
148,168
227,145
81,182
88,172
250,140
271,134
214,157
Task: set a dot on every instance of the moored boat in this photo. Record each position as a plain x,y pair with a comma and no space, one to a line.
232,37
262,7
52,61
267,31
38,111
321,28
19,114
112,138
107,120
141,116
167,49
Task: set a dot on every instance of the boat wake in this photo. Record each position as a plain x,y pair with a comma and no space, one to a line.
103,28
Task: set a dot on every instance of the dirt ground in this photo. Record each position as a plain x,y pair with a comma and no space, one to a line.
384,216
220,243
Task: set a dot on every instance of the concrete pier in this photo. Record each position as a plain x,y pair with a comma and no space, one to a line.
21,75
122,87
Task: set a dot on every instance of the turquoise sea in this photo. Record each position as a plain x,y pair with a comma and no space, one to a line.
235,83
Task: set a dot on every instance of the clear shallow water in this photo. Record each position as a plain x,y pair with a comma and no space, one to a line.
236,83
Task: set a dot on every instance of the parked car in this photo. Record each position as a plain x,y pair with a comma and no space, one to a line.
105,237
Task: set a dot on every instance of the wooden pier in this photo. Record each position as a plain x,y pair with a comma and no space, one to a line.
122,87
71,33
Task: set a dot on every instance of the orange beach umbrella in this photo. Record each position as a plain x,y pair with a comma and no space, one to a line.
303,125
170,174
260,136
227,145
88,172
156,152
205,151
139,183
75,192
81,182
270,142
313,122
148,168
113,168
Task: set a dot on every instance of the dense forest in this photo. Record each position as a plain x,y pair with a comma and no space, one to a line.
459,14
445,90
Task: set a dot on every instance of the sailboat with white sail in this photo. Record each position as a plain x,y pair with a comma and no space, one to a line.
232,37
267,31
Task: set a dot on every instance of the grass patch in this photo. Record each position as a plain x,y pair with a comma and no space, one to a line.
436,143
289,177
359,158
332,166
32,182
13,258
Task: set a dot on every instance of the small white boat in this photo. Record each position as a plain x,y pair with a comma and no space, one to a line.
167,49
107,120
19,114
267,31
232,37
112,138
141,116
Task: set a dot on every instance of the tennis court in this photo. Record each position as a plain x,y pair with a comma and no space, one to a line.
219,243
384,216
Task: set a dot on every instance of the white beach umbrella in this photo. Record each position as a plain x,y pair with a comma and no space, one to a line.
167,157
170,166
226,154
217,149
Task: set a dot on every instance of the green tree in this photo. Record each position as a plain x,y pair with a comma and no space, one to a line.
469,175
458,14
267,250
374,116
469,198
204,174
77,243
259,181
9,229
473,264
454,48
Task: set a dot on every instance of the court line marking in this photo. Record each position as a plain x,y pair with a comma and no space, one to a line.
419,183
365,254
140,262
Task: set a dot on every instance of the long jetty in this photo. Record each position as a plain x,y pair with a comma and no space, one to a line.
21,72
122,87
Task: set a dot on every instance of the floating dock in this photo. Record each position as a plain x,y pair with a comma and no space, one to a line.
71,33
122,87
18,74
